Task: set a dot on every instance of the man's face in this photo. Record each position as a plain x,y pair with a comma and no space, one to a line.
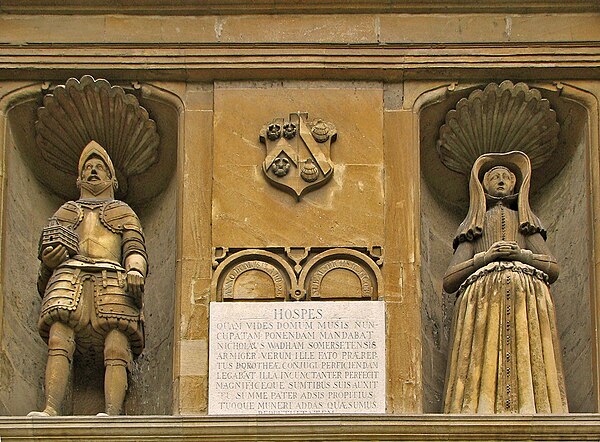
499,182
95,171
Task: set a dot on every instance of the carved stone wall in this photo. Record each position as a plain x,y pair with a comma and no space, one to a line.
153,370
249,212
29,204
211,75
564,203
437,229
561,201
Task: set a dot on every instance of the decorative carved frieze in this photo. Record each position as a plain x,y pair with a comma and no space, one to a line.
298,155
297,273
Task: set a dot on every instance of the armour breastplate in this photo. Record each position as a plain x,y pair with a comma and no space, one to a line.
95,240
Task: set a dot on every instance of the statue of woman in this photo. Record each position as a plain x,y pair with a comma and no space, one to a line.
505,354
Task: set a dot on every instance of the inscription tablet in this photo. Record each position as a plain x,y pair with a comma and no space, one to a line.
297,358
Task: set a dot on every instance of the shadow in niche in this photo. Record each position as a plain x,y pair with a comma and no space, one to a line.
27,206
559,197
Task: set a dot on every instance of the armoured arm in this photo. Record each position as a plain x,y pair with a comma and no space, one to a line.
135,261
133,243
51,257
69,215
44,274
120,218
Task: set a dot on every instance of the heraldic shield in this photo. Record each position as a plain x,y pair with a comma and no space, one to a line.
298,153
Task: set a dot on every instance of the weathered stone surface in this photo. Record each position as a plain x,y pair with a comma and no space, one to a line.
153,370
401,268
437,226
407,427
385,73
572,291
347,210
22,370
483,28
193,395
195,251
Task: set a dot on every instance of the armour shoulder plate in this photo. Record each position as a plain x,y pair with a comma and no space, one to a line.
69,214
117,216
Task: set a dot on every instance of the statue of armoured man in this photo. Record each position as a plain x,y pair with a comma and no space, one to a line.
92,286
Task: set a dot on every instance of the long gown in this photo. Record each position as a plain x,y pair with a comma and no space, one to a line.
505,354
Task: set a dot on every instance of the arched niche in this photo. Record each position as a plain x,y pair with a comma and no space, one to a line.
28,203
559,196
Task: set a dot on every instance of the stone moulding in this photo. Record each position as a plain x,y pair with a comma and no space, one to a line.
84,110
410,427
500,118
155,7
296,273
333,61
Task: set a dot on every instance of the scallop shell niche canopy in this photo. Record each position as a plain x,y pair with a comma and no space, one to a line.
500,118
84,110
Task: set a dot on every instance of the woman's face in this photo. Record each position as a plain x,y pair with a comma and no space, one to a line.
499,182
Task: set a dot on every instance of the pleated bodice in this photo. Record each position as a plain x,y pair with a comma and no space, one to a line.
501,223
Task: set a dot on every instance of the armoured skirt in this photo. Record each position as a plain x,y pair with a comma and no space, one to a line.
92,299
505,355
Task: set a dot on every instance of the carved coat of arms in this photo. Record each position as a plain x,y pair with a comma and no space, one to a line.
298,153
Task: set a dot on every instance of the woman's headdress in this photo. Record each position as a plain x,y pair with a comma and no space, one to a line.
519,164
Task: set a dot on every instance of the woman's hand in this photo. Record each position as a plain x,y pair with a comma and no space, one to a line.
503,251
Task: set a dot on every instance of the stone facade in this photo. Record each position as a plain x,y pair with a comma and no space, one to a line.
212,74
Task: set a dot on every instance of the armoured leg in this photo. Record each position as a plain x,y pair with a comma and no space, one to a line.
61,345
117,357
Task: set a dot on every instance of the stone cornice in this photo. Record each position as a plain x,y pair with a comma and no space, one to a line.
307,428
210,7
207,62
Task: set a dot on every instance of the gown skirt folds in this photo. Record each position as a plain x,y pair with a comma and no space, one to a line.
505,356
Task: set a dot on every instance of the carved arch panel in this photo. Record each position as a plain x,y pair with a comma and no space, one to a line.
253,275
297,274
340,274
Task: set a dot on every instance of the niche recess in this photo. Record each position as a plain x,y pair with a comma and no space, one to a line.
559,196
28,202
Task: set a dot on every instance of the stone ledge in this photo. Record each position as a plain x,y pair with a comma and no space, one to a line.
168,7
574,427
207,63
